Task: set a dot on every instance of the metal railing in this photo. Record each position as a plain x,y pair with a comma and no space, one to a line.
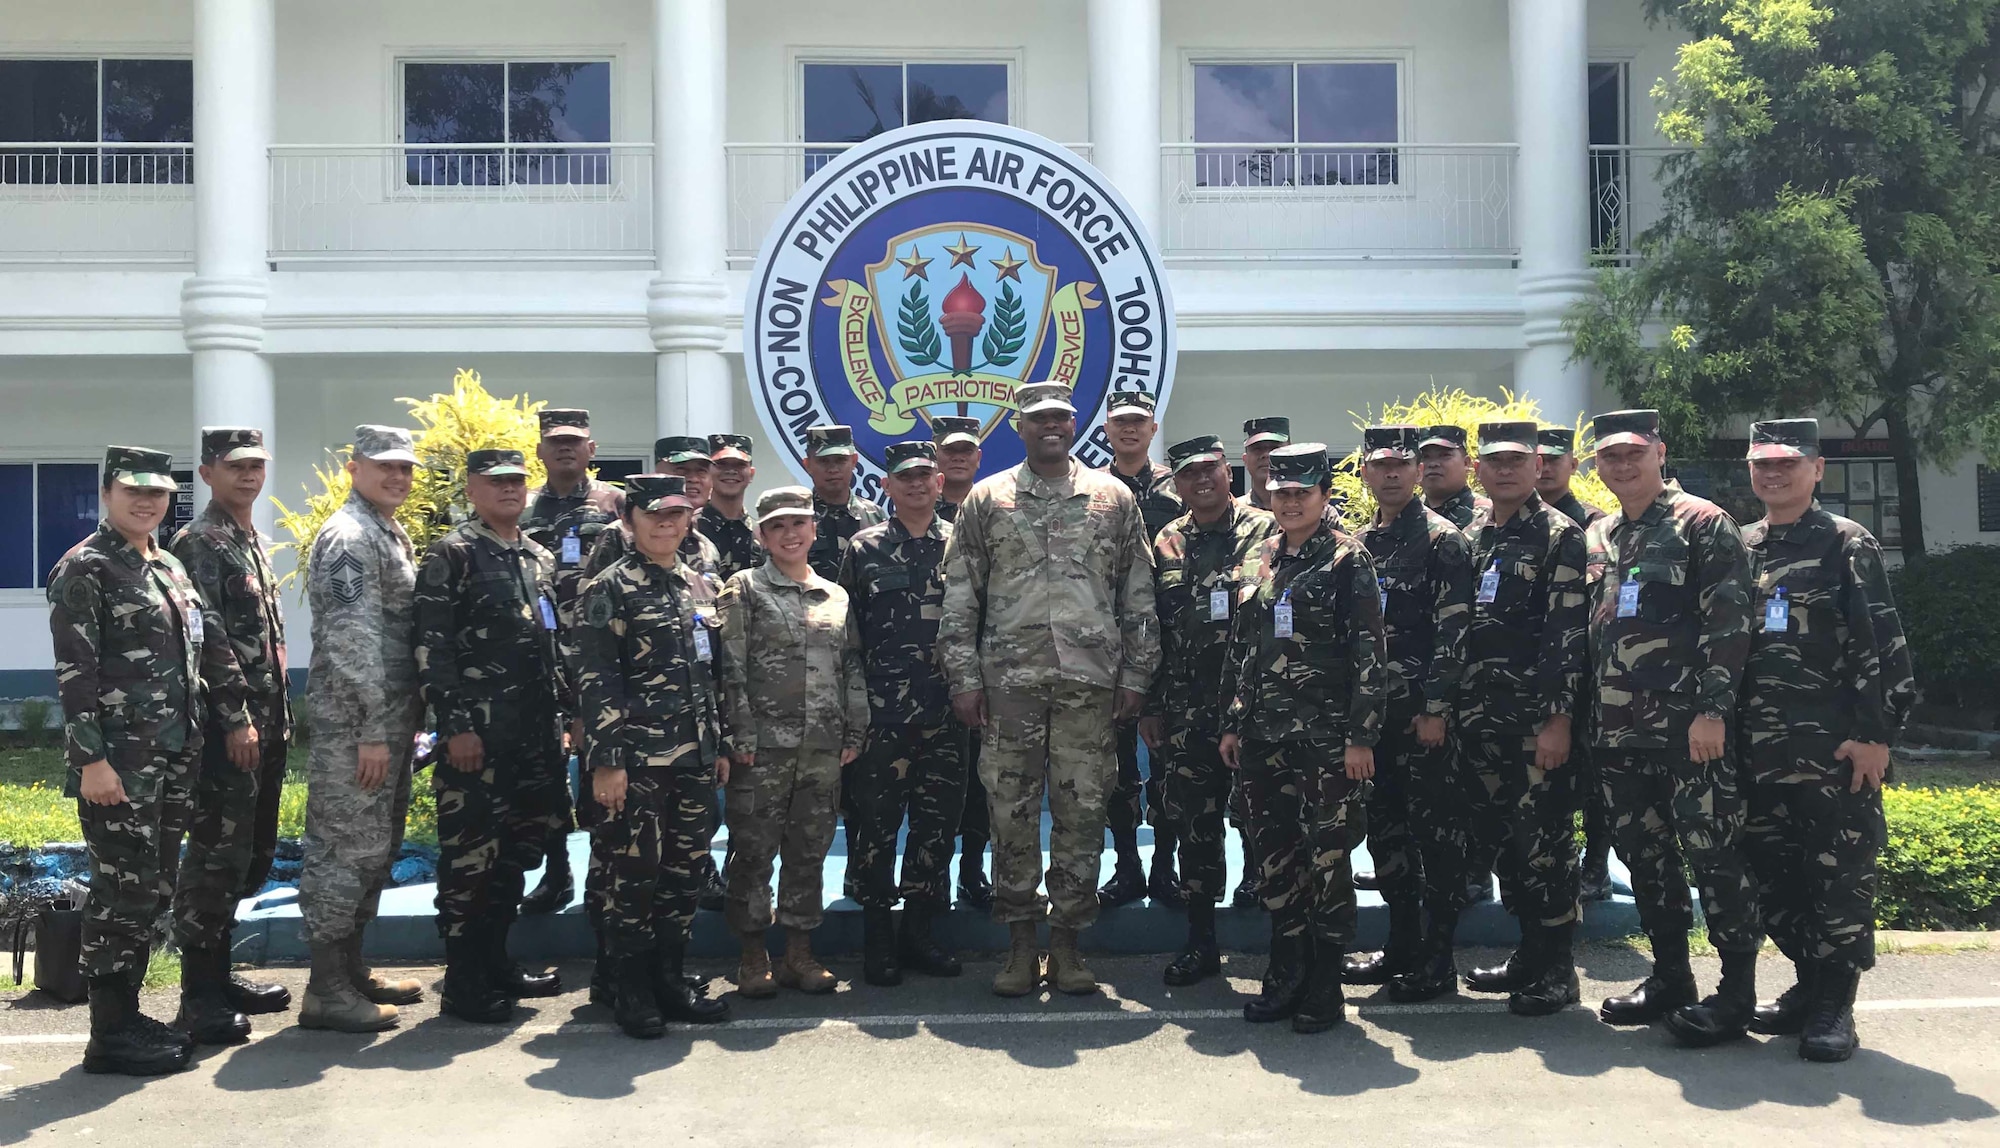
423,203
1625,197
1337,201
119,203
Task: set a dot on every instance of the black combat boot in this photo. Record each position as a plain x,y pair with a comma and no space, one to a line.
1829,1034
1554,986
878,947
635,999
1324,1003
206,1014
678,998
1202,958
1786,1016
558,884
1436,972
1594,878
710,894
1723,1015
1399,954
973,887
1164,886
248,997
1670,986
118,1042
152,1027
1365,881
1128,878
506,974
1513,974
469,993
1250,890
1284,977
916,949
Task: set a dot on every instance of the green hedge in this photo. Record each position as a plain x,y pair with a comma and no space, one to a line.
1951,615
1941,868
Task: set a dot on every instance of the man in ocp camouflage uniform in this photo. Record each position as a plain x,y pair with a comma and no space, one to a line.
1827,688
838,513
725,520
957,441
487,658
1669,632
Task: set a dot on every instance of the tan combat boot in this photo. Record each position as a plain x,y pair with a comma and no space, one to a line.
379,989
1066,968
800,969
753,969
332,1001
1023,970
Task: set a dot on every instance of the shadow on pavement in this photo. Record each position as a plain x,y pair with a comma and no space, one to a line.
74,1093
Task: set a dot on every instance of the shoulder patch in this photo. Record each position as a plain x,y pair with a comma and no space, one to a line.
345,577
597,612
77,594
437,572
207,570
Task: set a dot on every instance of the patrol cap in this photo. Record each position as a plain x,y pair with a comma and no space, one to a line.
496,463
727,446
1397,440
1274,428
384,444
1200,448
784,502
680,448
828,440
565,422
1298,465
949,430
1509,435
1036,397
232,444
1445,434
1131,403
1617,428
902,456
657,492
1785,438
138,467
1555,441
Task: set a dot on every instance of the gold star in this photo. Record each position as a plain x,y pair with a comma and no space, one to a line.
1008,266
963,253
915,266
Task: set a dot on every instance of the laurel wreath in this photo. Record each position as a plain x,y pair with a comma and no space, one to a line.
1009,330
919,334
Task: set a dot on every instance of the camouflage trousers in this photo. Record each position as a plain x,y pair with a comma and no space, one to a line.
1813,847
1125,812
1193,795
780,809
975,824
493,827
133,849
232,836
1664,808
352,834
914,770
652,852
1051,740
1526,817
1419,815
1302,809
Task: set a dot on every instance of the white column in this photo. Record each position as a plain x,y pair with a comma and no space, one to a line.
1125,111
222,304
686,303
1549,42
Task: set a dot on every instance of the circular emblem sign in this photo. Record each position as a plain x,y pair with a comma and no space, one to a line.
930,271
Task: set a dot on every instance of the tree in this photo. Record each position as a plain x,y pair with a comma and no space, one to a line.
1831,239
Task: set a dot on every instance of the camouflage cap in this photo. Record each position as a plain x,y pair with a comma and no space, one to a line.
680,448
1617,428
1784,438
384,444
1131,403
1446,434
902,456
570,422
232,444
657,492
1391,441
729,446
1273,428
1044,397
1555,441
1508,435
783,502
496,463
136,466
949,430
1200,448
829,440
1299,465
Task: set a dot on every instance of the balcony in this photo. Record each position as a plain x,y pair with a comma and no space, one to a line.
109,203
1626,197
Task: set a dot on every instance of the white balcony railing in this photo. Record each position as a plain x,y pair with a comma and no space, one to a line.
115,203
1625,197
1337,201
424,203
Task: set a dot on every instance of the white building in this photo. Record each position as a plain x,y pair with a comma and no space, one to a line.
211,211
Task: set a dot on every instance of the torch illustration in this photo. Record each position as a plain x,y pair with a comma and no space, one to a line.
964,313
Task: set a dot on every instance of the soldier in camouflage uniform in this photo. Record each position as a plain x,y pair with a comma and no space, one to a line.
957,441
914,762
648,654
837,513
1048,633
487,659
1130,425
1417,811
1525,658
1261,436
685,456
1306,681
1826,690
1669,632
233,824
796,712
725,521
131,662
363,696
1446,465
1198,568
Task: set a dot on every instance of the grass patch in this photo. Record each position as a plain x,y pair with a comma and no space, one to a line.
1952,773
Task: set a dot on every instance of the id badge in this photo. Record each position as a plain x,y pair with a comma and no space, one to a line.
572,548
1778,613
195,623
702,650
548,613
1628,596
1218,604
1382,591
1489,583
1281,617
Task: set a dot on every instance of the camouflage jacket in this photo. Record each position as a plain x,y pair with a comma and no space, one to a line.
735,540
946,510
651,689
791,671
696,550
1527,651
1329,678
553,519
1576,509
1153,490
895,593
1423,566
1831,662
132,668
486,631
837,524
1192,563
1461,508
361,587
1047,580
1679,653
232,569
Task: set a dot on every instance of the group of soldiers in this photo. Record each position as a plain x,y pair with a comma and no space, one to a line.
1452,681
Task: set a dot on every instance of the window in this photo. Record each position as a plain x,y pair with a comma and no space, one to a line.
506,116
1989,498
1610,164
45,508
849,102
1266,118
1866,491
102,113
